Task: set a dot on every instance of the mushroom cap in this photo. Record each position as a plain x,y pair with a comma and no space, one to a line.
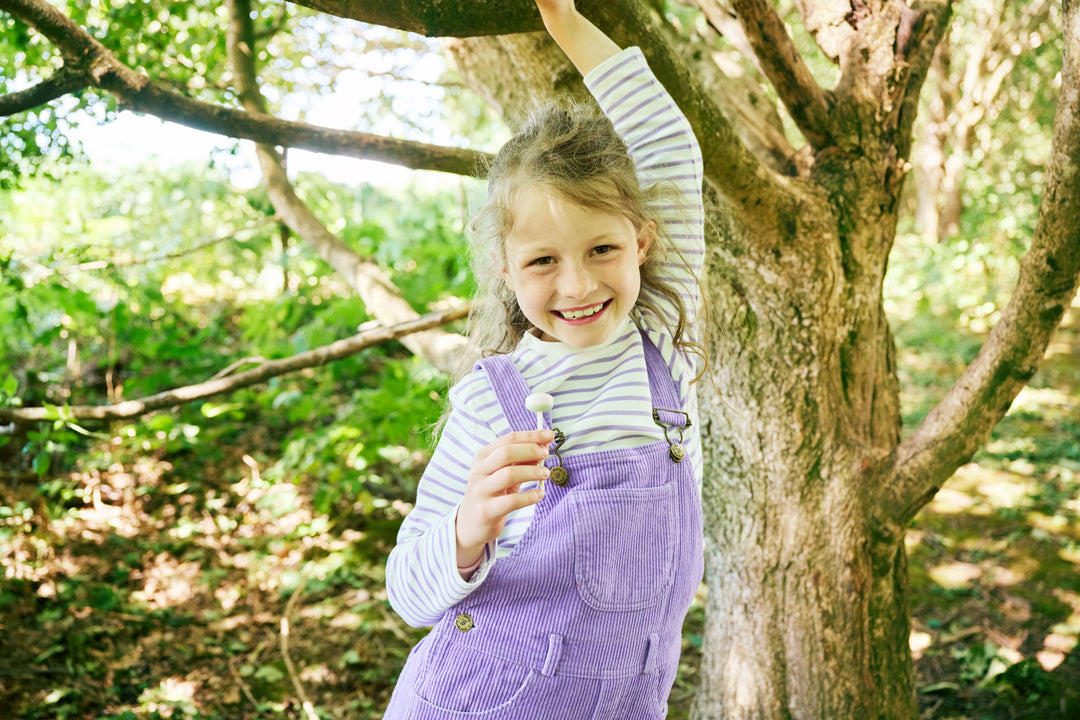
539,402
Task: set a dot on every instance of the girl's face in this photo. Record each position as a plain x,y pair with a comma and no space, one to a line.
574,270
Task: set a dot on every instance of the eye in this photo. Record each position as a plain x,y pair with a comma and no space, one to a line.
604,249
541,261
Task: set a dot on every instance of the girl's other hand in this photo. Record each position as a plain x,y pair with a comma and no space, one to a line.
555,7
584,43
493,491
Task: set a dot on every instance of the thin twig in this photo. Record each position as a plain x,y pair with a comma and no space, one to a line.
244,361
111,264
309,709
243,685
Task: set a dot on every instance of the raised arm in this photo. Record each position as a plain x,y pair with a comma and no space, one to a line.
666,155
585,44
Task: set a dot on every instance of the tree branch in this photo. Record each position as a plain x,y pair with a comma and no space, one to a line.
783,65
372,284
1049,275
743,179
62,82
270,369
448,18
137,92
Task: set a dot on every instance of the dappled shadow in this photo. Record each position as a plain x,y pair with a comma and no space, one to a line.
995,561
155,593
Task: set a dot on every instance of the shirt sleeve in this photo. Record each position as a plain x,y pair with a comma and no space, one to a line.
422,579
665,151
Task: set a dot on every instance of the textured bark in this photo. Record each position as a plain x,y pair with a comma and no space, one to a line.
440,18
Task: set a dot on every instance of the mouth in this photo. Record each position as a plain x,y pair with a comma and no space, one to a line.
582,313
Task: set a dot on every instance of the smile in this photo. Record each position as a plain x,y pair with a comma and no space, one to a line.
581,312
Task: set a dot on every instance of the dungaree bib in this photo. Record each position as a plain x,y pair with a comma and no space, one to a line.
583,620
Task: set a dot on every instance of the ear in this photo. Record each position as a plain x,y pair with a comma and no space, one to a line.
645,238
500,268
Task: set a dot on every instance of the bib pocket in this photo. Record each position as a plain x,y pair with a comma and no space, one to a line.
624,545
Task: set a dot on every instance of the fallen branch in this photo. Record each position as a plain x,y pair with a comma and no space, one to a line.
269,369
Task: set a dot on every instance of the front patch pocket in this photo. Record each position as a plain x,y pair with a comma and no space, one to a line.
624,545
467,683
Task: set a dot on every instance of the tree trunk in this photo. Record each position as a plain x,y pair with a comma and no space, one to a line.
807,613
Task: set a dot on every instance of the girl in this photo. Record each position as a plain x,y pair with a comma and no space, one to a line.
565,598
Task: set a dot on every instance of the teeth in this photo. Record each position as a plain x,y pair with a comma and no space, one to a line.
577,314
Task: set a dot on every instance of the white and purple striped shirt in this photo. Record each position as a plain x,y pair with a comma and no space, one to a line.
602,398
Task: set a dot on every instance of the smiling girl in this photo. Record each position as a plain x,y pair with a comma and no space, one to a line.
568,601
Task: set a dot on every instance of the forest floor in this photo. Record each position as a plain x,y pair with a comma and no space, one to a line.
173,586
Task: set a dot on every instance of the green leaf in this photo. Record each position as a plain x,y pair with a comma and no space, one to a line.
269,673
11,385
212,410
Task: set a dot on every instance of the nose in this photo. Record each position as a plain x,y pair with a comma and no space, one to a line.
575,281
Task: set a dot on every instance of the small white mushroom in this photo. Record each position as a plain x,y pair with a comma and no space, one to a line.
539,403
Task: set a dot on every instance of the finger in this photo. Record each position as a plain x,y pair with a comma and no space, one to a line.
517,454
509,479
503,505
535,437
509,453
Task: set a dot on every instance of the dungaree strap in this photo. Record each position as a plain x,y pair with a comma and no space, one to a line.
665,397
511,391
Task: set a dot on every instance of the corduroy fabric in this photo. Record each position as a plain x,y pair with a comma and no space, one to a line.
583,620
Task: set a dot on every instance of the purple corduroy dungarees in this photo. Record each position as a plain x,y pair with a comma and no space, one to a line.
583,620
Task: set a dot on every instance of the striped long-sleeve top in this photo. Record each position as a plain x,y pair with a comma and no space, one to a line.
602,398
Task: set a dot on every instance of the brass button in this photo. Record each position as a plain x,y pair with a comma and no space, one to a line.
559,476
463,622
677,452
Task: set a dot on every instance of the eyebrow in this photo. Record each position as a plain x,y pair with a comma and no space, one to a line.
545,244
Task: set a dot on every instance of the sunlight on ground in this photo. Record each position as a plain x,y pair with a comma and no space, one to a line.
169,582
981,490
995,556
955,574
174,693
